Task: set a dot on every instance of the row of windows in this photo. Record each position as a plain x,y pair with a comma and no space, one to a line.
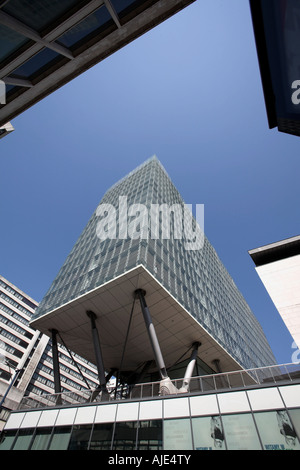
15,339
10,349
13,314
15,304
271,430
14,326
17,294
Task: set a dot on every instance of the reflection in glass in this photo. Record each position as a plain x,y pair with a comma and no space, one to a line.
125,436
101,437
80,437
34,65
10,41
7,439
121,5
23,439
41,439
60,439
84,29
150,435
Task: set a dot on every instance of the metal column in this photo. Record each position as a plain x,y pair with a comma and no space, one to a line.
97,348
56,373
190,368
140,293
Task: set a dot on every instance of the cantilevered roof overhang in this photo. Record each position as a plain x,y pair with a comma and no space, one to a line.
112,304
276,251
277,33
47,44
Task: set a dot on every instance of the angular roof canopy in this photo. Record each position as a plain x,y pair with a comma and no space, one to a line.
112,304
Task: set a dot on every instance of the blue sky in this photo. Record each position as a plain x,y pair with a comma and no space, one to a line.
188,91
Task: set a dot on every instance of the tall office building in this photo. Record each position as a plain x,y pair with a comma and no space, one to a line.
138,282
161,313
26,355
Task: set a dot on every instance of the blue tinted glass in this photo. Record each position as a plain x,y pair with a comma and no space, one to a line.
38,14
36,63
10,41
11,90
86,27
121,5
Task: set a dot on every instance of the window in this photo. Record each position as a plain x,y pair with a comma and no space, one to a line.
150,435
125,436
240,432
41,439
80,437
43,59
101,437
10,41
208,433
295,416
7,439
87,28
276,430
177,434
60,439
23,439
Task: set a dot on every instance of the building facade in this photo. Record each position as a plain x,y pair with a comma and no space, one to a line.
26,363
278,266
217,415
189,293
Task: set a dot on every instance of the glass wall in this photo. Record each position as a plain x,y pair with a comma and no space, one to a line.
267,430
132,435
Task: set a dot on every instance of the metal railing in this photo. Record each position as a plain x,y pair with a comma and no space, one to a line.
263,376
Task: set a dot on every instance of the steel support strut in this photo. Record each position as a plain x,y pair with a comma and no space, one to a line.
97,348
140,293
56,373
190,368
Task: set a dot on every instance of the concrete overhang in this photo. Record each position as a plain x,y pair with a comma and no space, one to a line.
276,251
142,18
112,304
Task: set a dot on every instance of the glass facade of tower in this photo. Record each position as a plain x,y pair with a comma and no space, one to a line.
196,278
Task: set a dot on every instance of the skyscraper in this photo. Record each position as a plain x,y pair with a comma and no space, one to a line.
141,244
